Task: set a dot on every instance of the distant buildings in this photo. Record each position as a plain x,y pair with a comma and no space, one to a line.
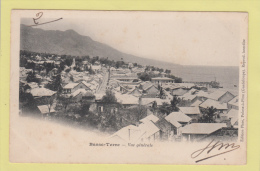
161,80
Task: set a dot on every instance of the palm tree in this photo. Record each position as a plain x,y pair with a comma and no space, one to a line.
209,114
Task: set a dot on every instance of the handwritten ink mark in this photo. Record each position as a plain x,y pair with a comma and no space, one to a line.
210,147
38,16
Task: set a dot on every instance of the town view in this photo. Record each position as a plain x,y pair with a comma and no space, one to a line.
129,101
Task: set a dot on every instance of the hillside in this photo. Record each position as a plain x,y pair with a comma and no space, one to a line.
70,42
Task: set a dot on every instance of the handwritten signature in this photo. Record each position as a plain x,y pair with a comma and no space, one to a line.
38,16
214,146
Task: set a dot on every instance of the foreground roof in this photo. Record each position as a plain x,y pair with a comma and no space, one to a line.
128,133
44,109
202,128
151,117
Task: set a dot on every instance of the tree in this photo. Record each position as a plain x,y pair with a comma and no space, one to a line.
154,106
48,101
31,77
65,101
174,103
161,92
208,115
55,85
167,71
84,109
139,112
165,108
144,76
109,97
178,80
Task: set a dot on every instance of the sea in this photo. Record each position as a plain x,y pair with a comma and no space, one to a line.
227,76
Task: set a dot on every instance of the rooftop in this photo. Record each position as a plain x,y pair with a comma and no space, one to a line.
190,110
151,117
70,85
214,103
44,109
176,117
217,94
234,101
202,128
42,92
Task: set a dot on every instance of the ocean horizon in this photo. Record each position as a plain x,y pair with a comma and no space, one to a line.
227,76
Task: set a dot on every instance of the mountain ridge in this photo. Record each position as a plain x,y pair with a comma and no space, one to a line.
70,42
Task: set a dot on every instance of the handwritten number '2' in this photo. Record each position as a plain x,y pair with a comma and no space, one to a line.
38,15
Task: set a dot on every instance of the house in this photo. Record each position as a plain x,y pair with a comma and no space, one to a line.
188,97
146,131
230,118
46,109
166,129
221,107
150,101
129,133
151,90
196,103
82,94
96,68
177,119
197,131
178,91
150,117
72,87
161,80
151,131
135,92
229,134
192,112
53,72
234,103
221,96
124,89
43,96
127,100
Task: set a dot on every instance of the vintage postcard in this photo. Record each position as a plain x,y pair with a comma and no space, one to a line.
128,87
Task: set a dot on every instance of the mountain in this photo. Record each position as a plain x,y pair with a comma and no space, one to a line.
70,42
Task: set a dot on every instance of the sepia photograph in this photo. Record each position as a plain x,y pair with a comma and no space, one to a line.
128,87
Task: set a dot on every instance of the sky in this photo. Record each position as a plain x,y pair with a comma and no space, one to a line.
186,38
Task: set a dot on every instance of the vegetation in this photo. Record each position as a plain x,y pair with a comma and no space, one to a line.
166,108
109,97
208,115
